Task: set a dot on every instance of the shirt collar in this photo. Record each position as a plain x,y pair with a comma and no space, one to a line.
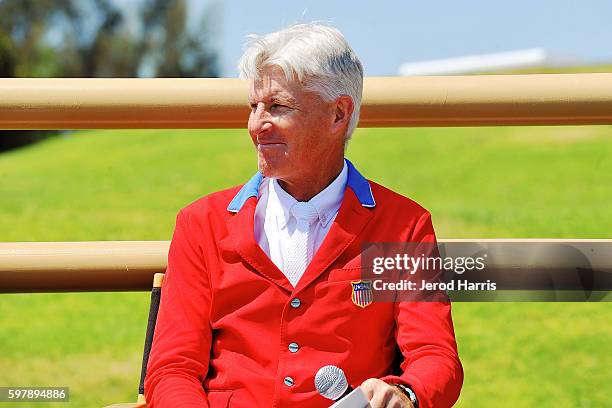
326,203
354,180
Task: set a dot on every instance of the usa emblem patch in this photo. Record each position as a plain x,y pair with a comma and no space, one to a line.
362,293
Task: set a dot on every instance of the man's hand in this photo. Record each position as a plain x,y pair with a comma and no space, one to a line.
383,395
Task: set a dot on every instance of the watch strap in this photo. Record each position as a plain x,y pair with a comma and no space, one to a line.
409,393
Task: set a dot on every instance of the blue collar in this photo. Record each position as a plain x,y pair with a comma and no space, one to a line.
357,183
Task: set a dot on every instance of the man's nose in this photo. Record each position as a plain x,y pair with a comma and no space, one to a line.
261,120
260,111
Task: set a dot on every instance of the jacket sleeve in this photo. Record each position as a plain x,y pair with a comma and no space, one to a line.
178,362
425,336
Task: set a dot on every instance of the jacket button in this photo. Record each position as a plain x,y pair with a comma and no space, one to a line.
293,347
295,303
289,381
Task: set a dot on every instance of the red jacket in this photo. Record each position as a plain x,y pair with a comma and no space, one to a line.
228,315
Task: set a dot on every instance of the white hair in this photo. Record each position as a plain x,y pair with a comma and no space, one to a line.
317,54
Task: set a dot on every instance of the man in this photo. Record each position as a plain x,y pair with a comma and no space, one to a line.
259,287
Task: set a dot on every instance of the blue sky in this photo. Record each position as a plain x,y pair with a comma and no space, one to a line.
386,33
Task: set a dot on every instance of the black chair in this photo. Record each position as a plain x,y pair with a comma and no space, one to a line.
158,281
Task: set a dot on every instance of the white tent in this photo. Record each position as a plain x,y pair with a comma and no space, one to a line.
532,57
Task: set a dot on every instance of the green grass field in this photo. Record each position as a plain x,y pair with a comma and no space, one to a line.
477,182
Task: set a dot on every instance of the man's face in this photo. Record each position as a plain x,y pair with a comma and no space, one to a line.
291,127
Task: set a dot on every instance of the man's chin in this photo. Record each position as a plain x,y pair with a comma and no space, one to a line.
269,170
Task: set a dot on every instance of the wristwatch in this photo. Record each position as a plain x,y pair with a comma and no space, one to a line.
409,393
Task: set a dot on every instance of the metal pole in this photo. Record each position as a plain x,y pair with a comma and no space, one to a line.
479,100
130,265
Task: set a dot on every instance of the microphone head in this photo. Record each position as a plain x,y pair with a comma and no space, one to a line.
331,382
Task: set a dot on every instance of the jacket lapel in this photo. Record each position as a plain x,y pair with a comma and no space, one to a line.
352,218
241,239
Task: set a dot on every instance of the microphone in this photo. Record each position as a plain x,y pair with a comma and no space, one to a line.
331,383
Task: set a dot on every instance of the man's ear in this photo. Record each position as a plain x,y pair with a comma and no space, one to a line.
344,108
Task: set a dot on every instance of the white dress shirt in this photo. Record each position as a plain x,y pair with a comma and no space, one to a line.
274,224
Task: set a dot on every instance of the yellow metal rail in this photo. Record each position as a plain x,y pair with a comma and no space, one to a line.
80,266
551,99
130,265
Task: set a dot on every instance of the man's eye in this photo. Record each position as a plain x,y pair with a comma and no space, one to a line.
279,106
